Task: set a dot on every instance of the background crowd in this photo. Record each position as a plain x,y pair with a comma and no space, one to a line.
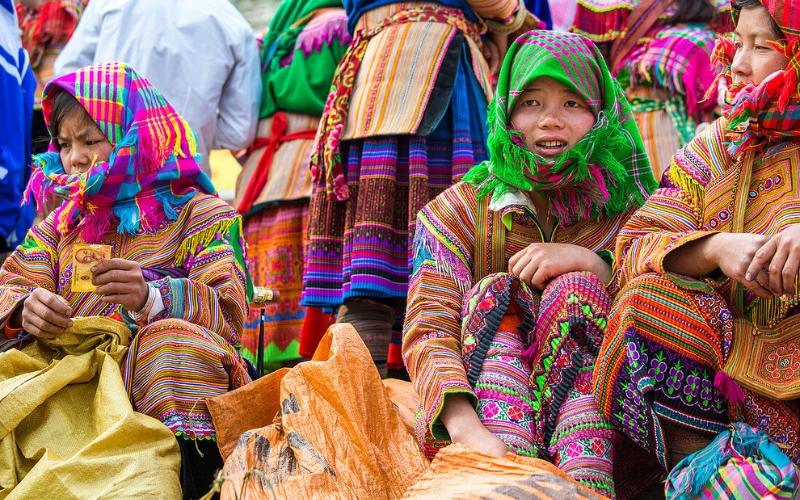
387,150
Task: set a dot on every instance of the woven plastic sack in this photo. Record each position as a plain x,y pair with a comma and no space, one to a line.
459,472
742,463
336,435
67,428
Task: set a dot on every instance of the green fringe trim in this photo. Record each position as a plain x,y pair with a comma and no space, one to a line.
602,147
205,237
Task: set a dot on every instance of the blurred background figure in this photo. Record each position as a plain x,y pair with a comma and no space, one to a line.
540,9
201,54
562,13
47,26
406,119
660,51
17,88
300,52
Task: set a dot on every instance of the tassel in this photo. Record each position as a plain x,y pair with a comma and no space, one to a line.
529,353
729,388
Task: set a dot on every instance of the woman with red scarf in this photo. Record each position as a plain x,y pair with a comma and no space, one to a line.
709,264
47,26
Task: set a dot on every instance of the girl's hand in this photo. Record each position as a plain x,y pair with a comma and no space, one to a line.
539,263
120,281
777,262
45,314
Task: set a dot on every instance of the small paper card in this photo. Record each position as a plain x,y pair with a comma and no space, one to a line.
86,256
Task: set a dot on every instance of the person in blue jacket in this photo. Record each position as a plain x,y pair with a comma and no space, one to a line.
17,87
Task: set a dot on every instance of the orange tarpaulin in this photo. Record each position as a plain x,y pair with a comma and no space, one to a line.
338,432
462,473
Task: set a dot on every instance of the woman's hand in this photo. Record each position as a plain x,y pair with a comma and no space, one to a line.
733,254
777,262
500,43
465,427
492,55
120,281
45,314
539,263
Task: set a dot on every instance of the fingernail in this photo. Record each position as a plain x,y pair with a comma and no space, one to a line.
748,277
94,269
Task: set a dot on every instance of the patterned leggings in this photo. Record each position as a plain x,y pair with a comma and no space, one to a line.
530,361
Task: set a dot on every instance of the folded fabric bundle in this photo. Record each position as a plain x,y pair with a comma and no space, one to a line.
741,463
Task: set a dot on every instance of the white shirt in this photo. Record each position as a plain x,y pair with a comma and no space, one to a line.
200,54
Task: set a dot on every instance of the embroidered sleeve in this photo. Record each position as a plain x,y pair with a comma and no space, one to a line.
34,264
214,295
432,331
673,215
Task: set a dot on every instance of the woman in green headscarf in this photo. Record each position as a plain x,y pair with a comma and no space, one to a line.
513,274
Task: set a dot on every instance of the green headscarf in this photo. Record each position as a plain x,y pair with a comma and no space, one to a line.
290,19
604,172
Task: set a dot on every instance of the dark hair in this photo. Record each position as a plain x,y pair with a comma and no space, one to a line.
693,11
64,105
751,4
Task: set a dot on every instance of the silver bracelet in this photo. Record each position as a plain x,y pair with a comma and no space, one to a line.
139,316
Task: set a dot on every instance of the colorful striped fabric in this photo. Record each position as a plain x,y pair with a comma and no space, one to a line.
606,20
173,366
152,171
443,274
401,63
588,179
670,335
393,87
326,159
763,113
276,235
678,59
658,124
530,365
289,177
786,13
742,463
188,352
283,84
276,181
47,28
360,247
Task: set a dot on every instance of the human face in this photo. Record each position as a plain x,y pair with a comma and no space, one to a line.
81,143
87,256
755,60
552,117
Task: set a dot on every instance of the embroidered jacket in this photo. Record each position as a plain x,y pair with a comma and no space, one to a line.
696,200
196,262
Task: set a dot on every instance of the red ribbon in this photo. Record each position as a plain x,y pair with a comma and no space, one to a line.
277,136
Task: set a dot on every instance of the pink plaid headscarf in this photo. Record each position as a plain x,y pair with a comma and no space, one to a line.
152,171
